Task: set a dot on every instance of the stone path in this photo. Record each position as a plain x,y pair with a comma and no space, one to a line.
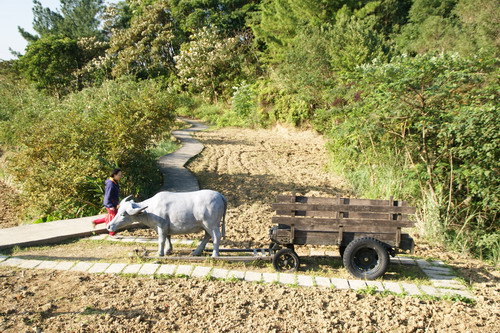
443,281
177,178
195,271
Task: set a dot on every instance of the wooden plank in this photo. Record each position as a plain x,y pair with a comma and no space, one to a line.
349,228
304,222
318,238
334,201
313,238
332,238
346,214
333,224
348,208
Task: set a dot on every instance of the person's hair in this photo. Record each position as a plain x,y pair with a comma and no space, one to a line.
115,172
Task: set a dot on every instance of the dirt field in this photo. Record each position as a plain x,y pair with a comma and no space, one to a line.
36,301
250,167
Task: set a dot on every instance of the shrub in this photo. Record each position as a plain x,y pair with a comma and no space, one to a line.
427,126
62,158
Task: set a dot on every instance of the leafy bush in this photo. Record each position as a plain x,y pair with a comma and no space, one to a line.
62,155
428,124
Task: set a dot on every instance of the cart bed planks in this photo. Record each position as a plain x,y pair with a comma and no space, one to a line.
367,230
337,221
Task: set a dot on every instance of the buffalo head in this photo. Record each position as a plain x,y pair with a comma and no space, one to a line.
127,212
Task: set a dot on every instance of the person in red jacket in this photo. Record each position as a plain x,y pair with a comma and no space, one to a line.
111,198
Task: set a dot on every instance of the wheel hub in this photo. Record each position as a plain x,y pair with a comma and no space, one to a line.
366,259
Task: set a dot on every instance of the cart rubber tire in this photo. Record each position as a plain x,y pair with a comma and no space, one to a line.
286,260
366,258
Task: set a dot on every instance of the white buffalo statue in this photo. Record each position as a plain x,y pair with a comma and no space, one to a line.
176,213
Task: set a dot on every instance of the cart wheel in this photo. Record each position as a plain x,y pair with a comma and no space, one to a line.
286,260
366,258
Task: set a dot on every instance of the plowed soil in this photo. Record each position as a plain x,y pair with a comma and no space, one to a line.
250,167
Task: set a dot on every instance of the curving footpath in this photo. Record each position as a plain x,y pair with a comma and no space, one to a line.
176,178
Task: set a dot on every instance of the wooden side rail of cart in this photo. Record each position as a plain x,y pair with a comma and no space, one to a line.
365,230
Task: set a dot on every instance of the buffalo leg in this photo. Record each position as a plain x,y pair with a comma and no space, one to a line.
202,245
162,237
216,242
169,246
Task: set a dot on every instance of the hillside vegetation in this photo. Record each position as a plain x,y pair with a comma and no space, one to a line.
405,92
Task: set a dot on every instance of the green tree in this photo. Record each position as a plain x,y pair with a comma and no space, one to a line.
76,19
354,41
465,26
228,16
147,48
278,22
50,63
478,27
211,64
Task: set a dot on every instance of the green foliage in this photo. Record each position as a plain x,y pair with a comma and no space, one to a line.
49,63
76,19
62,164
210,63
228,16
146,49
354,42
307,78
429,122
278,22
244,100
466,26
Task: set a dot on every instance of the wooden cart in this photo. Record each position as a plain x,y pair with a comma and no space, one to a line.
366,231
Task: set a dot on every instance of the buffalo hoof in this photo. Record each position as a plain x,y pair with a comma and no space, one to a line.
169,252
195,253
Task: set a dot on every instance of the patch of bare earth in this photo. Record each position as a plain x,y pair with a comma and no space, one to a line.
250,167
77,302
